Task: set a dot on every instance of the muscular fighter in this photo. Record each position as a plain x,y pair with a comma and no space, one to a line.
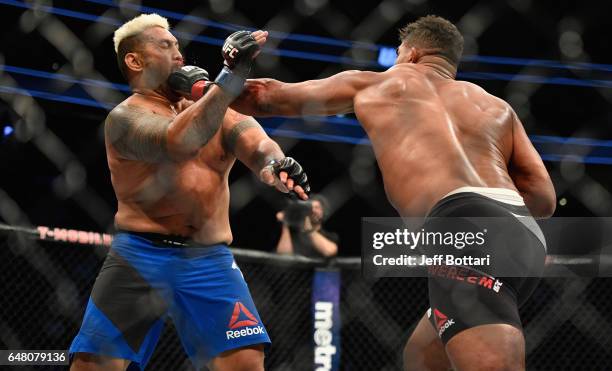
169,160
445,148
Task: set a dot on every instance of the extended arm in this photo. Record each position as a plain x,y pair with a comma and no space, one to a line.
329,96
530,175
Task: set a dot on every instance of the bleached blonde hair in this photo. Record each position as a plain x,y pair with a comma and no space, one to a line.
137,25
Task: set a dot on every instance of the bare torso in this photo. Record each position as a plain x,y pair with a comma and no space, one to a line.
432,134
188,198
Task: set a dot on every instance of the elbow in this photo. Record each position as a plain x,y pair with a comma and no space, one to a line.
179,152
184,143
551,207
547,210
331,250
538,193
543,204
284,248
550,201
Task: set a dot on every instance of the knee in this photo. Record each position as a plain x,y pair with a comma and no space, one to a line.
500,361
425,357
251,360
246,359
414,357
94,362
85,362
251,363
488,347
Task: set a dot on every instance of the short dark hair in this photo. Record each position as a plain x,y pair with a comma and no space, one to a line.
127,45
433,32
324,203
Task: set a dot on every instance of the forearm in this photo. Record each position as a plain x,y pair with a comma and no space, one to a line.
323,97
193,128
325,246
263,97
284,245
254,149
267,150
269,97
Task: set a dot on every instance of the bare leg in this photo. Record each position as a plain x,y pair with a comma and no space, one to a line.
424,350
95,362
487,347
243,359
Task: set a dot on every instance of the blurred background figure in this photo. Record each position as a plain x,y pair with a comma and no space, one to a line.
302,229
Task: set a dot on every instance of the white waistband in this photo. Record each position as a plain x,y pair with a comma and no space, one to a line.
504,195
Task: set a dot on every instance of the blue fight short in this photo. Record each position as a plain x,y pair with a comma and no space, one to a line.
147,277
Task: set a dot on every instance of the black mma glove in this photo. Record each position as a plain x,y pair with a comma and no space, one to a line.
238,51
294,171
189,81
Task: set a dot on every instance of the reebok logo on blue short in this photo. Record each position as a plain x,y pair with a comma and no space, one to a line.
147,278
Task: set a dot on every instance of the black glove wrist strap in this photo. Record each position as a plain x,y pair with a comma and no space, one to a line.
230,82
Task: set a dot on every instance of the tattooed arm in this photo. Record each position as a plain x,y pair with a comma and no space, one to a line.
246,139
144,136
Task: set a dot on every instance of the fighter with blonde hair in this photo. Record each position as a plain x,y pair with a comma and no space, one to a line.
169,159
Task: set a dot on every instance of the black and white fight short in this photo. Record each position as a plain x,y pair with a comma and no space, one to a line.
465,296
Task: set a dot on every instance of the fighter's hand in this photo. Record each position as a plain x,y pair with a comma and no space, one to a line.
260,38
189,81
240,48
288,176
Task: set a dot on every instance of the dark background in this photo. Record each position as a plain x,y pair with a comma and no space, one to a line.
68,185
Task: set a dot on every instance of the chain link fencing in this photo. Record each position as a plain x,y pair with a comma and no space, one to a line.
46,286
58,79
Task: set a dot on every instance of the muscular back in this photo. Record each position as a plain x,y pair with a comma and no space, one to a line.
432,134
